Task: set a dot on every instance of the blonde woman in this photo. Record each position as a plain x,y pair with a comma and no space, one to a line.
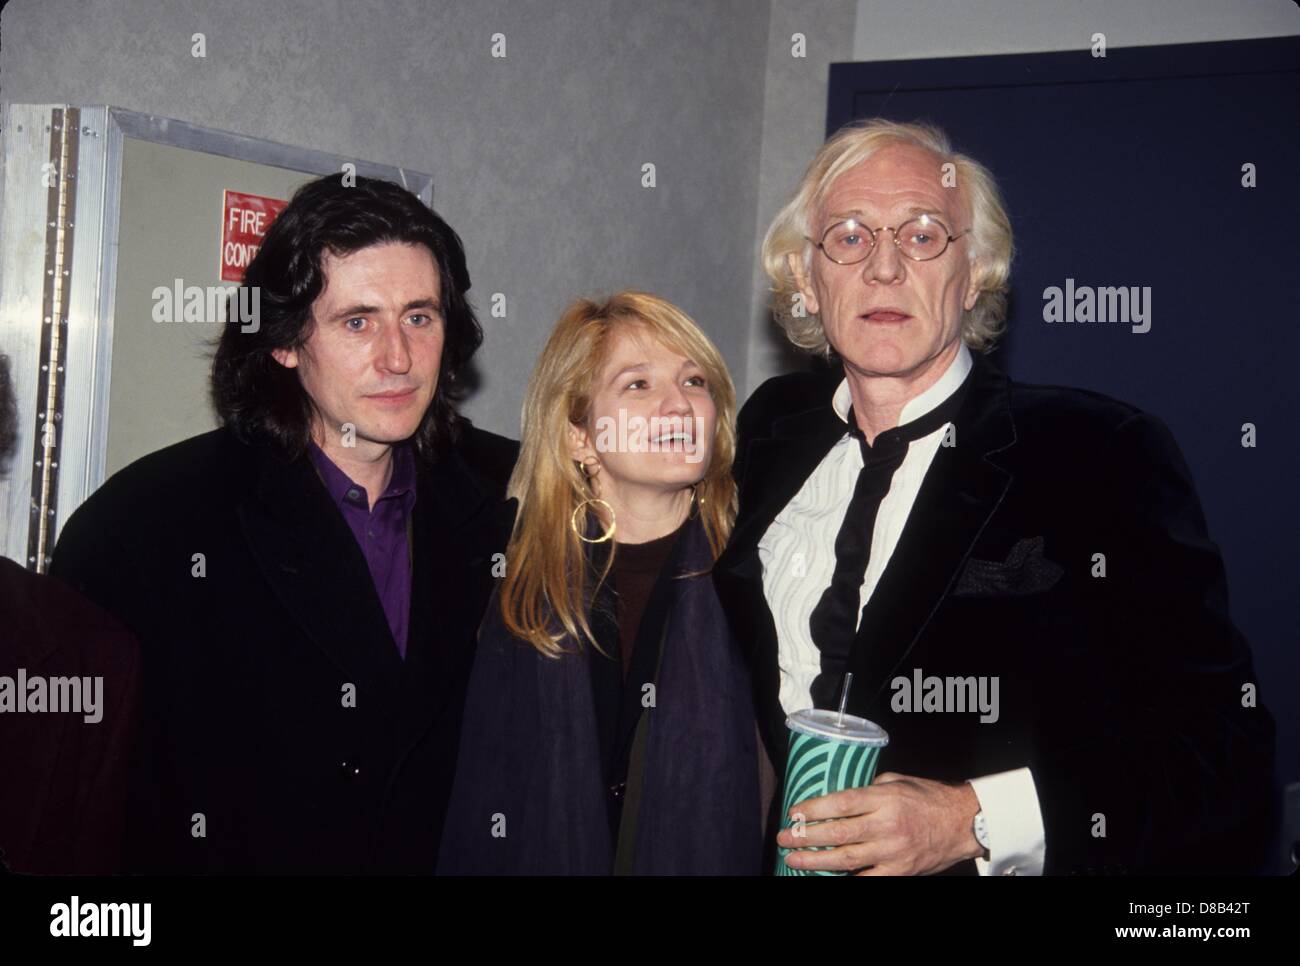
609,726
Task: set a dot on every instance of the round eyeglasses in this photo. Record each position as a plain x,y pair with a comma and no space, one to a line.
920,239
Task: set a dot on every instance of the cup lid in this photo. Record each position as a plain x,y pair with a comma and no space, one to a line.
825,724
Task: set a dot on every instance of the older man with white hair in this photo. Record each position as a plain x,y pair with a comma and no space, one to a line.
1017,577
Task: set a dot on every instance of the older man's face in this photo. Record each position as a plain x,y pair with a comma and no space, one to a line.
890,315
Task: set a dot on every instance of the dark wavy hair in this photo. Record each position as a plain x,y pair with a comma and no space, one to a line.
261,400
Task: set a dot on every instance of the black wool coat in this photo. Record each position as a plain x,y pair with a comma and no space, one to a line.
254,756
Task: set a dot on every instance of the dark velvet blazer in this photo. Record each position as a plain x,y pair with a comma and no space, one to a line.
1122,693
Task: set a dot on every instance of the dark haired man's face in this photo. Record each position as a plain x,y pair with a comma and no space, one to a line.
375,347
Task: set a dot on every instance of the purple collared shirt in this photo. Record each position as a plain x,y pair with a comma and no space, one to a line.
381,532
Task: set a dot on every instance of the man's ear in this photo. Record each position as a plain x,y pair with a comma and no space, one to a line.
286,357
801,279
975,285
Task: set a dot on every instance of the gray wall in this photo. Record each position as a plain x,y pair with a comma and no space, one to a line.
536,157
794,125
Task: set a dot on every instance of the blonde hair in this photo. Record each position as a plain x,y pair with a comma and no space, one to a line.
547,591
991,241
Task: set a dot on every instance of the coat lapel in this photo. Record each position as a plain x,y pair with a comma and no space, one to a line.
776,467
961,490
457,529
308,555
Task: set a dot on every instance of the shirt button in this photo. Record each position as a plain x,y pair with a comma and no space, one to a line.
354,494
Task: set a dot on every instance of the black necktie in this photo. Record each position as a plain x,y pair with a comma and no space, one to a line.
834,621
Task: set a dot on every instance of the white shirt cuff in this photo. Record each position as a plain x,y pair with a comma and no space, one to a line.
1017,842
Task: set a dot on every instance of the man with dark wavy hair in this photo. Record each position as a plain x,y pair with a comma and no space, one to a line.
306,580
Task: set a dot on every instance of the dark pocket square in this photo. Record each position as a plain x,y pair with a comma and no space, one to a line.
1025,571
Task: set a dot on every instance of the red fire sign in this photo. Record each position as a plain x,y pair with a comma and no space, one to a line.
245,219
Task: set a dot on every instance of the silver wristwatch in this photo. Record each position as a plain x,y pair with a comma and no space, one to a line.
981,829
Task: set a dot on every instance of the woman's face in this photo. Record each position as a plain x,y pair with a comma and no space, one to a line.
652,418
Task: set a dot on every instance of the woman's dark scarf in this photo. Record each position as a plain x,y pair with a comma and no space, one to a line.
529,796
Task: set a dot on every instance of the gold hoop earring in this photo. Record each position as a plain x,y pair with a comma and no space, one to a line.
590,461
697,502
573,521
